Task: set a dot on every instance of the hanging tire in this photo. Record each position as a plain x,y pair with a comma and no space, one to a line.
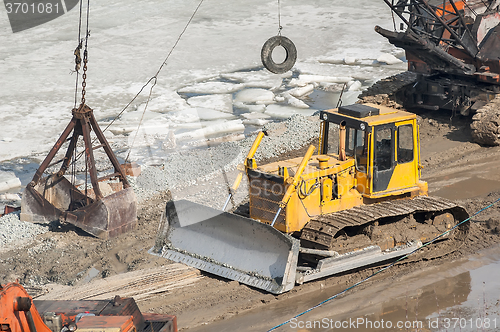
266,54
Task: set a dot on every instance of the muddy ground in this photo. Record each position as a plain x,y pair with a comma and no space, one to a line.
454,168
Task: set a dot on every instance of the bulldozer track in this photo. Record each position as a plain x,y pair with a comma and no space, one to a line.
485,126
321,231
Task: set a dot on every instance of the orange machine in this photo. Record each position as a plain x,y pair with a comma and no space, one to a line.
18,313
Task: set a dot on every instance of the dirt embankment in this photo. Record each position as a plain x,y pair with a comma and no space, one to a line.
67,256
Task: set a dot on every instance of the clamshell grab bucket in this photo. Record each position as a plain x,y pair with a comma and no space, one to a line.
228,245
106,210
104,218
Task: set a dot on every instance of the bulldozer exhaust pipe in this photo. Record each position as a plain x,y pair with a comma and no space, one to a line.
342,133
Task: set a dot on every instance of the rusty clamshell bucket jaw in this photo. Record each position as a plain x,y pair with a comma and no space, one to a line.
54,198
228,245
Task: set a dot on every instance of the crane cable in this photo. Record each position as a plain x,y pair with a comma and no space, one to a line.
279,18
387,267
154,80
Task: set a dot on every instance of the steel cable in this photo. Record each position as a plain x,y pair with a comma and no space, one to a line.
153,78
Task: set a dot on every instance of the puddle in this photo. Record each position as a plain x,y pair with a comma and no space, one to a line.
456,296
469,180
469,188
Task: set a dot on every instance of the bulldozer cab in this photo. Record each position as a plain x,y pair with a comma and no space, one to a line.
384,144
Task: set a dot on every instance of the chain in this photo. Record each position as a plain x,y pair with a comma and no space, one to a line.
78,58
84,76
85,55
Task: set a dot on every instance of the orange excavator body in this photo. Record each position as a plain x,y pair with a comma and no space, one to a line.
18,313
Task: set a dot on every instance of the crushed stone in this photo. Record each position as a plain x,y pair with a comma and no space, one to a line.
13,230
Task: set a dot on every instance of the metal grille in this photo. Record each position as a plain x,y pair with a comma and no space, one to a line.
265,194
155,327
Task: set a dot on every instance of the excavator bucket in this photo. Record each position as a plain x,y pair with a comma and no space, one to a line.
108,217
228,245
106,210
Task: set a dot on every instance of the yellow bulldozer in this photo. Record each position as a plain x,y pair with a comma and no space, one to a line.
358,202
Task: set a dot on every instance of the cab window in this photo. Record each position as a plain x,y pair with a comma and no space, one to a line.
383,148
333,138
357,146
405,144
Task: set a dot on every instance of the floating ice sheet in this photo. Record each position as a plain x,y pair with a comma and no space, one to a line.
197,114
292,101
38,93
249,107
301,91
251,76
389,59
305,79
8,180
219,102
227,127
136,116
256,122
258,79
165,101
255,96
354,85
255,115
212,87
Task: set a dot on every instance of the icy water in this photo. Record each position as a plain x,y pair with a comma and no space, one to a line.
198,93
456,296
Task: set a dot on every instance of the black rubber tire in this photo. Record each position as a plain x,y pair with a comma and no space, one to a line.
267,52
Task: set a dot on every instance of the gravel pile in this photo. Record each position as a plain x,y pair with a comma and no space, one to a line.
300,131
12,229
187,167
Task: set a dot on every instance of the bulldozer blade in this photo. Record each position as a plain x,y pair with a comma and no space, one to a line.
105,218
228,245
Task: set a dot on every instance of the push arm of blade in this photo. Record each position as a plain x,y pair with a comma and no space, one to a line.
255,145
295,181
250,155
233,189
276,216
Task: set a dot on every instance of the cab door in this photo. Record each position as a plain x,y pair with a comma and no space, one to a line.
406,171
394,160
383,156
